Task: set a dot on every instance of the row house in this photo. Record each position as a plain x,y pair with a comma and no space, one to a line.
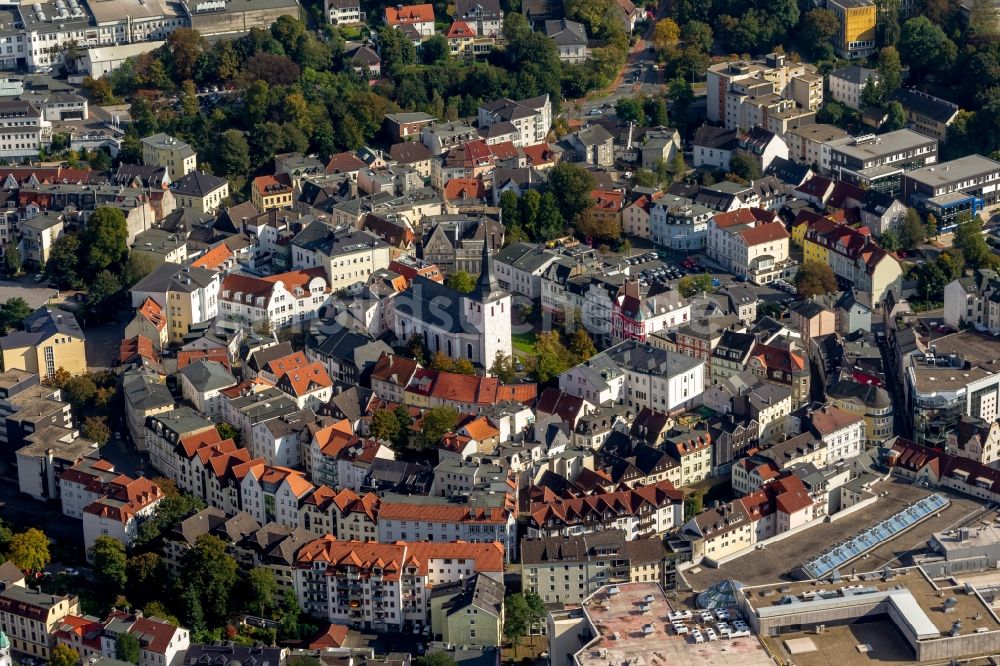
751,242
275,302
337,457
381,586
638,375
855,258
639,512
120,512
639,311
733,528
480,518
975,301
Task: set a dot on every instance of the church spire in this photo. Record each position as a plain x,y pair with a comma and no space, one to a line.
487,288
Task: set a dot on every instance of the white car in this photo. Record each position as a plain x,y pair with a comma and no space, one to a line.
711,635
739,633
725,631
680,615
696,635
721,614
706,617
680,629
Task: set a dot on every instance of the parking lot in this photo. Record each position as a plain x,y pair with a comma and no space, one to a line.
760,567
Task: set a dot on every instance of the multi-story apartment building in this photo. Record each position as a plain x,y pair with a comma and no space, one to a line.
843,432
38,234
187,294
856,34
847,83
381,586
532,118
344,12
23,130
638,311
785,365
926,113
644,511
963,185
678,223
345,255
639,375
164,150
871,402
161,643
118,514
30,617
731,86
974,301
812,144
854,258
481,518
201,191
276,302
567,570
752,243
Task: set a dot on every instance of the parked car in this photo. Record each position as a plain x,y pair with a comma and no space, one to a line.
680,628
696,635
680,615
710,633
595,112
722,614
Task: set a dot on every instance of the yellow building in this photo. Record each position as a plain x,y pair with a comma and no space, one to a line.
272,192
858,20
164,150
51,339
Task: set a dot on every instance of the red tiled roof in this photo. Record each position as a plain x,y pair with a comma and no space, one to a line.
612,200
594,507
539,154
764,233
152,311
346,162
306,379
460,30
187,357
743,216
409,14
268,185
214,258
464,188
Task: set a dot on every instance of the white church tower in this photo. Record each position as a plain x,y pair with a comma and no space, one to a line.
488,309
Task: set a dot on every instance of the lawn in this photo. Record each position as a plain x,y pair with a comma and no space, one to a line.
524,343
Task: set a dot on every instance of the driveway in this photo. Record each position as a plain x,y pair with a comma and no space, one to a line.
103,342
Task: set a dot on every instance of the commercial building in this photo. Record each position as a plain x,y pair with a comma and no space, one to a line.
746,93
847,83
878,162
30,618
946,190
187,295
23,130
856,36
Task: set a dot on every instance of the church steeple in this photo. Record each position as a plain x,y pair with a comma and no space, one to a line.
487,288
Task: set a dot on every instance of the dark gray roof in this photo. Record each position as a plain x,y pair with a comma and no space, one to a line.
788,171
935,108
647,359
197,184
566,33
208,375
174,277
718,138
854,74
320,236
39,326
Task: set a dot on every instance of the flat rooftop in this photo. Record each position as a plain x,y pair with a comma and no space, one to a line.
931,379
930,597
970,166
760,568
839,646
971,345
981,536
885,144
628,634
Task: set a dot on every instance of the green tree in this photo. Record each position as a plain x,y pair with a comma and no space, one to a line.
744,165
510,209
417,348
384,425
681,96
896,117
436,422
630,109
108,556
461,282
29,550
127,648
890,241
12,263
184,46
397,51
64,260
698,35
138,266
581,345
926,48
439,658
95,428
969,239
169,512
666,34
890,71
503,367
233,154
261,588
932,226
79,390
871,93
912,233
815,278
212,571
517,619
571,185
817,29
189,99
552,357
550,222
63,655
191,611
102,291
435,49
14,312
106,238
145,573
